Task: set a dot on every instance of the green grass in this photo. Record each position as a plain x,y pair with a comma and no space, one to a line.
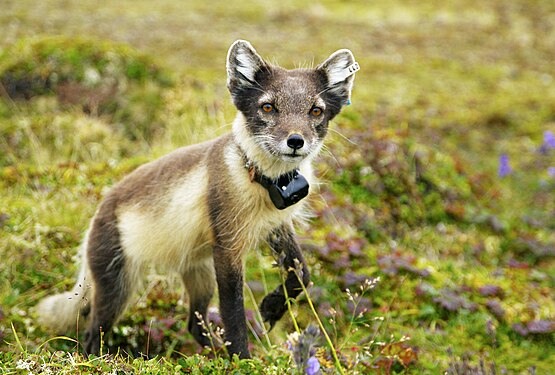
410,188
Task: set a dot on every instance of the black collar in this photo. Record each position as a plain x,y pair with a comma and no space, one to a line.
284,190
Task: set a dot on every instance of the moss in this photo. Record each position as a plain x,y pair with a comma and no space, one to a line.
404,181
99,77
39,65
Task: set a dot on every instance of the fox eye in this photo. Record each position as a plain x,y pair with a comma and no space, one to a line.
267,107
316,111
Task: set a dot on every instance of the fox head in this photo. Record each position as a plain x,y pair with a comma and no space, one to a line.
285,113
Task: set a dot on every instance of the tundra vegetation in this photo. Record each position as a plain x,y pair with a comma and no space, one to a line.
433,237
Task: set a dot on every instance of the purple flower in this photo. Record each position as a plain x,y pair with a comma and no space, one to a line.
495,308
303,345
489,290
541,326
535,327
312,366
551,171
548,141
520,329
504,167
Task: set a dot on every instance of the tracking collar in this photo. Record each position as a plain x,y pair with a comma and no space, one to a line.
284,190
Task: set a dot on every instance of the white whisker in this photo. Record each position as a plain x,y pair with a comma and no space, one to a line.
342,136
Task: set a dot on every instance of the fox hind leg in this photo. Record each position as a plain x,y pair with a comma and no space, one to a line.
199,282
109,301
110,276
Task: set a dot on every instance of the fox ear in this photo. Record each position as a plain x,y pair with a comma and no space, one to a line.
243,63
339,70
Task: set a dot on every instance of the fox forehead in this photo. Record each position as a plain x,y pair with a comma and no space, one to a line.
291,89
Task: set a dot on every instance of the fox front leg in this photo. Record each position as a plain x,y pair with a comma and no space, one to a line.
229,277
283,243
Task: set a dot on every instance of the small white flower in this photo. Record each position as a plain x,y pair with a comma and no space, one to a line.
126,330
24,365
91,76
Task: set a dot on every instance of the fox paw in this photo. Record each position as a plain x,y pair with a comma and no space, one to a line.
273,307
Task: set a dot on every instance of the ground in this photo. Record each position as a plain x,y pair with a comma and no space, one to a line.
433,235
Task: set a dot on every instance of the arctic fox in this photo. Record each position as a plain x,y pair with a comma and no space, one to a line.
197,210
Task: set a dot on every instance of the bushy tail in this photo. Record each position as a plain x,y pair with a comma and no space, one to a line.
62,312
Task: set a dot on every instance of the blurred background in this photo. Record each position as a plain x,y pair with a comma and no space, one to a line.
439,178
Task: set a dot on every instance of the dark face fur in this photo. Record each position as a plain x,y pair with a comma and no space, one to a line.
287,111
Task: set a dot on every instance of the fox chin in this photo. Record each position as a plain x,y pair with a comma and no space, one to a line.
198,210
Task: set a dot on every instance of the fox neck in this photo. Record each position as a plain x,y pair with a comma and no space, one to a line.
268,165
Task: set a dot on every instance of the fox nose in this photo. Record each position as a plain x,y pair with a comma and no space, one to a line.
295,141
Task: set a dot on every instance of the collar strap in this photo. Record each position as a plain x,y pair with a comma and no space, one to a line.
284,190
